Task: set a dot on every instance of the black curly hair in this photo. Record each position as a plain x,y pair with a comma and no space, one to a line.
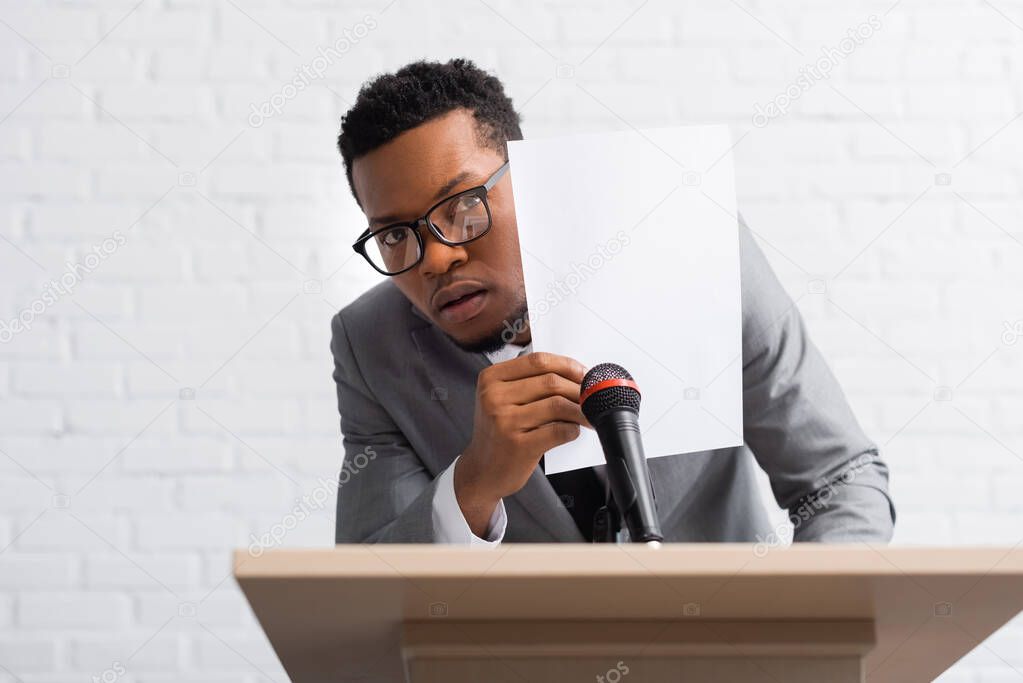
394,103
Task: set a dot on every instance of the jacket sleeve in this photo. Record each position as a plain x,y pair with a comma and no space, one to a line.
385,494
822,467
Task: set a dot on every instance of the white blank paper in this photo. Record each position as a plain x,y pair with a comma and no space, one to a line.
630,255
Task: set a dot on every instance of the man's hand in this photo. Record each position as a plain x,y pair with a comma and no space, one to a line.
524,407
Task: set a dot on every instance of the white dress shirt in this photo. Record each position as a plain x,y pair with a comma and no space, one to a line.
448,521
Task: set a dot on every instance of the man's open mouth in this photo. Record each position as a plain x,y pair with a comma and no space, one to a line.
462,299
463,307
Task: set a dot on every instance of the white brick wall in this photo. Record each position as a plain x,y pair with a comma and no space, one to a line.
179,403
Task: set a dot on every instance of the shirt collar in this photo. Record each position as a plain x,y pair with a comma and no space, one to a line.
507,352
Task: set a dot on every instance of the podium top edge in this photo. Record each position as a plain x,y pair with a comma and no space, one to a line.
545,560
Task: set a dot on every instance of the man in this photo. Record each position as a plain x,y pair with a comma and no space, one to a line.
445,419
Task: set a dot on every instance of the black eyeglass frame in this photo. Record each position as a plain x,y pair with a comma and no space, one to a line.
479,190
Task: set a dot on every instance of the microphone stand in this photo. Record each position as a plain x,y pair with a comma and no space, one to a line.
607,525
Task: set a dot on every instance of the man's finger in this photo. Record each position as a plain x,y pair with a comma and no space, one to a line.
529,389
537,363
551,435
551,409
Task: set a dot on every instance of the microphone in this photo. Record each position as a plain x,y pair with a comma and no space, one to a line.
610,401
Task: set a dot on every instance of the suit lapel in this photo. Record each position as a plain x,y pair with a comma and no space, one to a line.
541,502
452,373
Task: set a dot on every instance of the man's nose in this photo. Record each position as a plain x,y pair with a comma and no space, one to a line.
439,258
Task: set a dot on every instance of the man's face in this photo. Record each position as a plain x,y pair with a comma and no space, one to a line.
401,180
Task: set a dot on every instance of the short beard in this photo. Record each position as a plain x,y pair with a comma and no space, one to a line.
495,340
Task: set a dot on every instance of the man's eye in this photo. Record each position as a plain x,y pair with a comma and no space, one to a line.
392,238
461,206
466,203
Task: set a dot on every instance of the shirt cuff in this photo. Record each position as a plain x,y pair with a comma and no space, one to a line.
449,523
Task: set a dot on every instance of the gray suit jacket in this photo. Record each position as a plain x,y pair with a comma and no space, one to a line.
406,395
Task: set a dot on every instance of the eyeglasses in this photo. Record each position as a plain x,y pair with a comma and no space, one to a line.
458,219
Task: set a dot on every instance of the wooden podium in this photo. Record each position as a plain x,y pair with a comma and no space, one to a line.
563,612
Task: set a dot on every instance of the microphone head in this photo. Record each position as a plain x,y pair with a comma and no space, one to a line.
607,386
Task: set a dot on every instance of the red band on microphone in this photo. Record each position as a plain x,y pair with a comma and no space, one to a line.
607,383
